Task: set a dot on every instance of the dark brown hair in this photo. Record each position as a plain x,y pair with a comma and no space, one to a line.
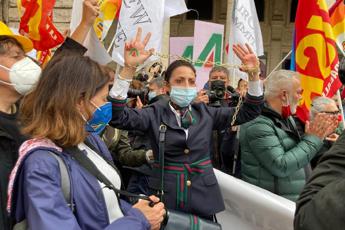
174,65
6,42
50,110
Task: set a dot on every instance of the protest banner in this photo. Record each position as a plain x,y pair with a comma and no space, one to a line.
248,207
207,50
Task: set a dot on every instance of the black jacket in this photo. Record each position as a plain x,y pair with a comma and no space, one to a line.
321,205
10,141
190,183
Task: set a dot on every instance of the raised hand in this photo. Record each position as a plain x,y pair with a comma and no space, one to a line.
135,53
90,11
250,62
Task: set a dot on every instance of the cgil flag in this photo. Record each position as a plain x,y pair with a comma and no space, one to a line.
36,22
337,17
245,28
315,53
150,17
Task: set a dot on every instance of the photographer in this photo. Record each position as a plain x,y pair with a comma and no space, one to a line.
221,94
137,94
157,90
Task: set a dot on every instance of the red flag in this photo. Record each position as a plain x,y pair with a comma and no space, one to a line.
337,15
36,22
316,54
43,57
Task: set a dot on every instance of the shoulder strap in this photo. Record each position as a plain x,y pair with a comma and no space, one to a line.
236,151
162,131
89,166
65,187
65,180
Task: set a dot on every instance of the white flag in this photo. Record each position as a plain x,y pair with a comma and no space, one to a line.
150,16
96,50
245,28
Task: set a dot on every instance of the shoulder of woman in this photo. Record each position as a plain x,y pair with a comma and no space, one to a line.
41,159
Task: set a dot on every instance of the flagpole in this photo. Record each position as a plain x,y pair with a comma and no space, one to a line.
279,64
111,44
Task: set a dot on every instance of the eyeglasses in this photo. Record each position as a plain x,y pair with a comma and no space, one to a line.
331,112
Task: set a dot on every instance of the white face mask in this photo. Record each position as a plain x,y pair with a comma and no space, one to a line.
24,75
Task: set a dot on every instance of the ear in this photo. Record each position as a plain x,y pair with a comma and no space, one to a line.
80,105
167,88
284,95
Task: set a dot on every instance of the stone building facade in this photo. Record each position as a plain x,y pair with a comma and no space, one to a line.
276,21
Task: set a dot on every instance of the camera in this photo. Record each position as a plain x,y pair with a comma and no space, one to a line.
142,77
216,93
142,93
234,96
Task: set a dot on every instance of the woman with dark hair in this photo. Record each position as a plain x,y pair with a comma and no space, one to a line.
66,111
190,183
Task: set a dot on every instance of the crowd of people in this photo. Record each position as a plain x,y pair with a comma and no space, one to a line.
83,147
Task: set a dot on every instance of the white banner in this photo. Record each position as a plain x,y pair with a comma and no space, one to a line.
245,28
249,207
147,14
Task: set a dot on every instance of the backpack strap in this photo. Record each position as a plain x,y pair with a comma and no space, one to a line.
65,180
65,187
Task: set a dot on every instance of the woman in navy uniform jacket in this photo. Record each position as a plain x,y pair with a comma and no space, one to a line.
190,183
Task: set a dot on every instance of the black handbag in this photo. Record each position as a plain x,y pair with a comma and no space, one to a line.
176,220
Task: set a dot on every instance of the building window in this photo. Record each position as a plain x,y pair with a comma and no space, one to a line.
260,9
293,10
204,9
287,63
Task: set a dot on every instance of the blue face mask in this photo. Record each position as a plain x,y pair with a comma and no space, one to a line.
151,95
183,96
99,119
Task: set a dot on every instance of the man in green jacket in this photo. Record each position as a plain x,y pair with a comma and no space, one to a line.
274,156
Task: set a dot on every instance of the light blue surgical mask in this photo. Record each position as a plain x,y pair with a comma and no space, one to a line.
181,96
151,95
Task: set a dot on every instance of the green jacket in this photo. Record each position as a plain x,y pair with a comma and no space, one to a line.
274,156
120,148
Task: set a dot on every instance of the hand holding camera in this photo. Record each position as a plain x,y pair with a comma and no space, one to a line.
154,213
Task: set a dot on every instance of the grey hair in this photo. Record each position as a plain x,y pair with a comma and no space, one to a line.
279,80
318,105
219,69
159,81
